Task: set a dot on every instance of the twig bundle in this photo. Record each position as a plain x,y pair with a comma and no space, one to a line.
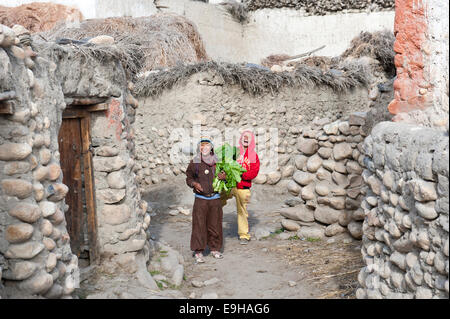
144,44
378,45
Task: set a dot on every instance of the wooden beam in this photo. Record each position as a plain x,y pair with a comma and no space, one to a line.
7,107
304,54
72,113
8,95
90,108
89,190
84,100
97,107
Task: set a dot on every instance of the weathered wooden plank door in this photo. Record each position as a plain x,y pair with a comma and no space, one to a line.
89,191
76,164
70,149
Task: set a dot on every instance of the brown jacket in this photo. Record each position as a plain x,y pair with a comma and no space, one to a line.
205,180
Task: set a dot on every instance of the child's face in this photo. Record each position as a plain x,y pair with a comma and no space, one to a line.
246,138
205,148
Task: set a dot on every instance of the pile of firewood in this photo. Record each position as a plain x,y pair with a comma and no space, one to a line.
321,7
284,62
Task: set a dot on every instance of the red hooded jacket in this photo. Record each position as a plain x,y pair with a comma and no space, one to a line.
248,160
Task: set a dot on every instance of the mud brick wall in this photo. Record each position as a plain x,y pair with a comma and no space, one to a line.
405,240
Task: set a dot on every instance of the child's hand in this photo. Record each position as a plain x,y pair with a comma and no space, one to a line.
198,187
222,176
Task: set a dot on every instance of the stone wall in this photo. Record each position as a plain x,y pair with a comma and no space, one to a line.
405,230
326,180
165,124
405,241
35,254
121,215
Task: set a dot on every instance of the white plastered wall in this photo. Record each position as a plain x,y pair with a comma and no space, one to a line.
269,31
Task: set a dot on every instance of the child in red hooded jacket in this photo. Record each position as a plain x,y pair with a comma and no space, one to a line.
250,161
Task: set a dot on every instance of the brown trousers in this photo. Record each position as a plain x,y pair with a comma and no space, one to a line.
207,224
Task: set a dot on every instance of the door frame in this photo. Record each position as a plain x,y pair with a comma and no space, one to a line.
88,171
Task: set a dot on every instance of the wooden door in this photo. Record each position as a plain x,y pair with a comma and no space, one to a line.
70,156
76,164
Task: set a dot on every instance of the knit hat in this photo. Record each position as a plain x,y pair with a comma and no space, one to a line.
206,139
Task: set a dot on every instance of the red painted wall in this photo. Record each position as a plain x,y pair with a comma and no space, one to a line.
412,83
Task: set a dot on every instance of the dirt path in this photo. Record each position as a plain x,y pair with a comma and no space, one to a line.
262,269
274,264
251,271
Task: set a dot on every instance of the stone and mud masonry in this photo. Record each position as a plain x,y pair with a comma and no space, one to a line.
35,255
326,180
405,243
67,193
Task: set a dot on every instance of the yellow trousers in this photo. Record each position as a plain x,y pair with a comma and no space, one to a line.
242,199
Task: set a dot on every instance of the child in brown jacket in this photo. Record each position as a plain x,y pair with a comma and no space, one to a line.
207,213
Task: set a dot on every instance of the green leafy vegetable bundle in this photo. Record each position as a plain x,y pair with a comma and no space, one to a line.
226,163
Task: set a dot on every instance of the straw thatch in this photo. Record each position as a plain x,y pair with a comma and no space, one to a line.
38,16
161,40
257,80
377,45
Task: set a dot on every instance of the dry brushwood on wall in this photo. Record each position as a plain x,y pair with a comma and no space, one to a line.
129,56
377,45
255,80
147,43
